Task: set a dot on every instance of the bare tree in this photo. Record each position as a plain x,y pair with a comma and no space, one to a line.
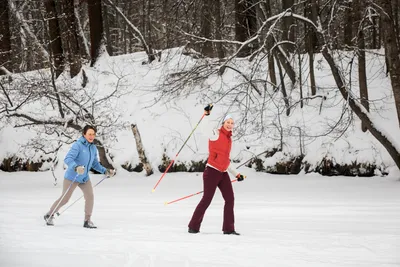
206,22
141,151
96,29
81,17
395,14
135,32
107,26
288,29
348,25
311,41
70,37
57,53
266,13
5,38
218,28
359,12
245,25
283,89
263,32
30,49
392,49
77,106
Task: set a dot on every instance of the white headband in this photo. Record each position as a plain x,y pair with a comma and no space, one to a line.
227,117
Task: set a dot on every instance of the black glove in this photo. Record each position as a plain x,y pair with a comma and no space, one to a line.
207,109
240,177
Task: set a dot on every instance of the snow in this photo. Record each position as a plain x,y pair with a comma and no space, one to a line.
165,121
304,220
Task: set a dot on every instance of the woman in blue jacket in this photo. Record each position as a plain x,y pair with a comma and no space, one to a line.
80,159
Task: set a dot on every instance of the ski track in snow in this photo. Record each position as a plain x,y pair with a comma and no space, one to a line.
284,221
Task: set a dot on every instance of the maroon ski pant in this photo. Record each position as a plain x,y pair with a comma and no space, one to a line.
212,179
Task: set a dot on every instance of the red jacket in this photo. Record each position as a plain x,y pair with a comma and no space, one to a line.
220,150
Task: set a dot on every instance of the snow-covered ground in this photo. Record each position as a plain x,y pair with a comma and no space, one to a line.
303,220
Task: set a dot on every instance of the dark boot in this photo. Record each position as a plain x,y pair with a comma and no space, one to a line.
89,224
192,231
49,220
231,233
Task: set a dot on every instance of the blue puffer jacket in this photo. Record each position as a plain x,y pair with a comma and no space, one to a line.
82,153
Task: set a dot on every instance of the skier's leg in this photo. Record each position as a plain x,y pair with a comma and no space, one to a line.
211,178
225,186
66,185
87,190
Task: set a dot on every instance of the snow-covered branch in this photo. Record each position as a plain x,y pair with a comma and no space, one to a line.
26,28
42,121
133,29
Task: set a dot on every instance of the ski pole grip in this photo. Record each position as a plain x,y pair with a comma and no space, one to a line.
207,109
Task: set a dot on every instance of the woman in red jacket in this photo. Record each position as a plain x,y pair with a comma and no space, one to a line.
215,175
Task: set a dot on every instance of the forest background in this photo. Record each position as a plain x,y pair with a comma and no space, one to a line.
314,86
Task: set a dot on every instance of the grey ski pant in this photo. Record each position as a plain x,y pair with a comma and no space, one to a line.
87,190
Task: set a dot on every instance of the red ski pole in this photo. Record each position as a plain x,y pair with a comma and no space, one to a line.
207,111
191,195
182,198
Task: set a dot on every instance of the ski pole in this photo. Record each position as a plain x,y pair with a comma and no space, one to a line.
62,197
191,195
59,213
182,198
207,111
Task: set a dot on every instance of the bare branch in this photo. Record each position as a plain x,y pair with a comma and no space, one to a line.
43,121
5,93
27,29
133,29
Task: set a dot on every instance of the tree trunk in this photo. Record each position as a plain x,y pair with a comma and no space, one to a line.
348,25
55,37
251,16
206,19
245,25
240,25
392,51
357,109
362,75
218,29
96,29
310,10
149,30
5,38
102,154
374,35
167,30
283,89
266,7
380,35
285,64
71,38
143,20
135,32
288,32
271,70
83,43
278,51
140,150
107,30
395,8
300,79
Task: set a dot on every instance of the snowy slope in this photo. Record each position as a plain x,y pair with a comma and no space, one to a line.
165,121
